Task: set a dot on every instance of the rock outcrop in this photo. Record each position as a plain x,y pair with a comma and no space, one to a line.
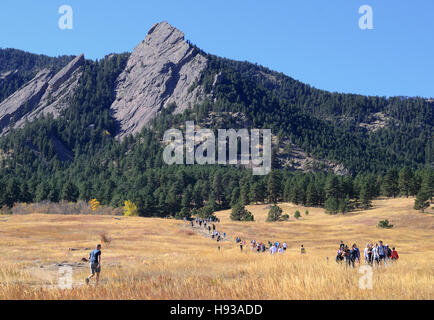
161,71
45,93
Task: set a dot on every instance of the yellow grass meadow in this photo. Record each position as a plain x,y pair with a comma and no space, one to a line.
146,258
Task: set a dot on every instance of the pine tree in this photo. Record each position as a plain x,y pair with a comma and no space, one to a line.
332,187
244,192
274,214
365,197
427,185
239,213
344,205
390,185
421,202
197,195
218,187
187,197
69,192
274,186
235,197
331,205
405,181
311,195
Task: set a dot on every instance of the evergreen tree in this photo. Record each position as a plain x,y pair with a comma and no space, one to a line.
405,181
421,202
274,214
332,187
274,186
344,205
187,197
332,205
236,197
365,197
390,184
70,192
239,213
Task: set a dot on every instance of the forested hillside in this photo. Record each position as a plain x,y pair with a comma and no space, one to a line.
385,144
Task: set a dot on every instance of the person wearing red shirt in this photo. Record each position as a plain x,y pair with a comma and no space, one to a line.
394,255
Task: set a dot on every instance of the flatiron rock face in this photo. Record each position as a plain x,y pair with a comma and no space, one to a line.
161,71
45,93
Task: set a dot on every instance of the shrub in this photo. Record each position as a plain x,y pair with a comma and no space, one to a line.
239,213
184,213
285,217
206,212
385,224
306,212
130,209
297,214
274,214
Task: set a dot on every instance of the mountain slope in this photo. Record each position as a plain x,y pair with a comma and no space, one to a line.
96,131
47,92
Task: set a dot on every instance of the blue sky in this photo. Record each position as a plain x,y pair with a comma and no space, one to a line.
316,41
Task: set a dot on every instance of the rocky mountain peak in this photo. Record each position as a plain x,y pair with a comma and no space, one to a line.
160,71
45,93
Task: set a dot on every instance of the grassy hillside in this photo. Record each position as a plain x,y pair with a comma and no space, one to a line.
149,258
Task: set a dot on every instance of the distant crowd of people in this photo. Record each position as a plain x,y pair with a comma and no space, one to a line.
377,254
210,225
272,248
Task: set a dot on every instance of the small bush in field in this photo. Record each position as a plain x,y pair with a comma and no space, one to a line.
385,224
285,217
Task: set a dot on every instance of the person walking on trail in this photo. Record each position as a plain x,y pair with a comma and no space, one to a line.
382,253
394,256
366,253
375,255
302,249
285,246
273,249
95,264
355,254
388,253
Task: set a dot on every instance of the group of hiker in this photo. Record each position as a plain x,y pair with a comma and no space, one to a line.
378,254
272,248
208,224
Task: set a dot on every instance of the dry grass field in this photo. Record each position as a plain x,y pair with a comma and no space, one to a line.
165,259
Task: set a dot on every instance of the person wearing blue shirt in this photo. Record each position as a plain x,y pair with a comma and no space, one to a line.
95,264
382,252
